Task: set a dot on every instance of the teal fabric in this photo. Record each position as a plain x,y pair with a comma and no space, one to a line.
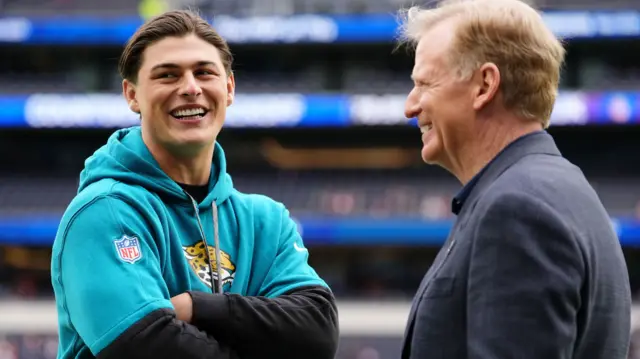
132,238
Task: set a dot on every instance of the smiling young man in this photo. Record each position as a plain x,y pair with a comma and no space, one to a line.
158,256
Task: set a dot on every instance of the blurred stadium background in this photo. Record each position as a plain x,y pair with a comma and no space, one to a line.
317,124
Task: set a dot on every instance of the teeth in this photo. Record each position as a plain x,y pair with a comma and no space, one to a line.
188,112
425,128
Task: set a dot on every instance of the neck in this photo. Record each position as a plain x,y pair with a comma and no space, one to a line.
486,143
190,168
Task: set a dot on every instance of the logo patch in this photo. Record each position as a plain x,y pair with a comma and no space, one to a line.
197,259
128,249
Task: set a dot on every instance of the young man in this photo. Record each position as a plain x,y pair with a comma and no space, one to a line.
532,267
158,256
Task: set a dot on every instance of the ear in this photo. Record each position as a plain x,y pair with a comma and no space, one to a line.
487,79
129,92
231,89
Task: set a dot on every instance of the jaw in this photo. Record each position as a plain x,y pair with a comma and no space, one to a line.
433,150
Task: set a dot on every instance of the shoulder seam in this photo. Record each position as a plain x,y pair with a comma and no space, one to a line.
64,241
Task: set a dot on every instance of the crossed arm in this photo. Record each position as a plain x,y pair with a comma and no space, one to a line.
295,325
123,310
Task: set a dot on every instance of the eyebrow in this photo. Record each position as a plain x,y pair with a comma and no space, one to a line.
415,79
176,66
423,73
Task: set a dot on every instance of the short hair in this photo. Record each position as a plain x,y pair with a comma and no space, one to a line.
509,33
176,23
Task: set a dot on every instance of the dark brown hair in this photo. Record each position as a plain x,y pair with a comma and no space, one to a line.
173,23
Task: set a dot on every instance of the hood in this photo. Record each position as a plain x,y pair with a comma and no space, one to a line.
125,158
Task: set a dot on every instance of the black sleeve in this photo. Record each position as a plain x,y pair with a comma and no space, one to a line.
525,278
161,335
300,324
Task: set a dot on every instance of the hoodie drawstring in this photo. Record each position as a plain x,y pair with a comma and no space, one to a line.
216,239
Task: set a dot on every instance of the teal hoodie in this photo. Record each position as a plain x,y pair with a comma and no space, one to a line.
132,238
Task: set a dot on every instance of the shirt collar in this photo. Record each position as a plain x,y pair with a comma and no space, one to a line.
463,195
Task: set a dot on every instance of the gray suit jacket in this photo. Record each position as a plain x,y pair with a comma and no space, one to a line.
532,268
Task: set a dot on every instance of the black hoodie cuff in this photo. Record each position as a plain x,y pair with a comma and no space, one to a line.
210,311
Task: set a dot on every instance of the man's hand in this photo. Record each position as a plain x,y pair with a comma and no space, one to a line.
183,305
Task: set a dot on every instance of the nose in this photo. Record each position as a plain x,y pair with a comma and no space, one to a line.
412,105
190,86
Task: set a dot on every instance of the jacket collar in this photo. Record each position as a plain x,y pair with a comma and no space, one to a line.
539,142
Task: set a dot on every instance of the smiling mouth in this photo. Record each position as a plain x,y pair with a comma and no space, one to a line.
426,128
190,114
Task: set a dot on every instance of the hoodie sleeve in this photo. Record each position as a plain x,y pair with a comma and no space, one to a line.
112,288
290,269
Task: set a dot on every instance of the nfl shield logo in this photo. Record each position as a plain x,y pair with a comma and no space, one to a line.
128,249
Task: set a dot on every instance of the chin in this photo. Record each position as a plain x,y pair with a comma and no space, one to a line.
193,138
429,155
197,141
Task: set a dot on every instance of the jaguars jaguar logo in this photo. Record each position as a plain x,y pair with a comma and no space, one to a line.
197,259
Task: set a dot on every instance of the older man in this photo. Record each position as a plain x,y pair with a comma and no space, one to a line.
532,267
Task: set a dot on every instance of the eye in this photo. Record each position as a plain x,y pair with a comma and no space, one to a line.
205,73
166,75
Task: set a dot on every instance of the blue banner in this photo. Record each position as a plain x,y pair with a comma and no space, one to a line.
291,110
316,231
290,29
